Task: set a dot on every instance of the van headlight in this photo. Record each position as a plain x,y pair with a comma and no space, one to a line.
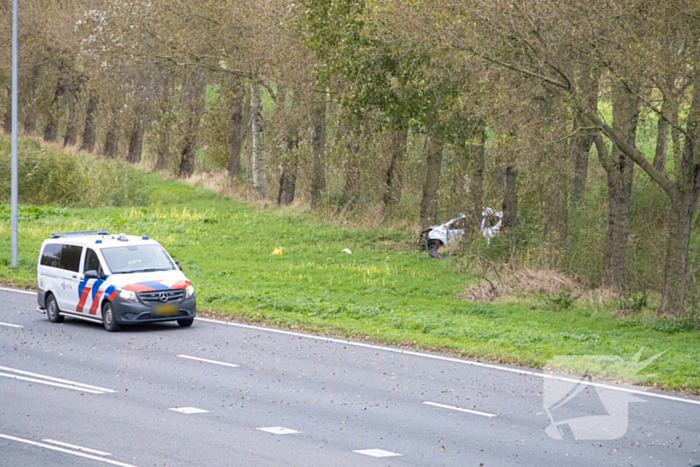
189,290
127,295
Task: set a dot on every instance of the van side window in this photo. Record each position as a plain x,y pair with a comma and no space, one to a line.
51,256
92,262
70,257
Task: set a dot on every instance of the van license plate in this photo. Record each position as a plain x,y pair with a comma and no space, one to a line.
165,310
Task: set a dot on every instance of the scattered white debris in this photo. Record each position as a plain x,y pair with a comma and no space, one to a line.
347,250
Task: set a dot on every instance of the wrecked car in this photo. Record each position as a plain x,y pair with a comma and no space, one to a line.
437,236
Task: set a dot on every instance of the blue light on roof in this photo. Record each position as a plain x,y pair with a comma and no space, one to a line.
144,238
98,241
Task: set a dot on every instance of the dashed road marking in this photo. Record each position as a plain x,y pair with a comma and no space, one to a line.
489,366
208,361
451,407
188,410
377,453
278,430
67,451
11,325
51,381
76,447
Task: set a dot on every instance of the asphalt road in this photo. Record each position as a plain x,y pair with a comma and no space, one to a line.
74,394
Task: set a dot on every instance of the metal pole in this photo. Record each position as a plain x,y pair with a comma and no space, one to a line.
14,135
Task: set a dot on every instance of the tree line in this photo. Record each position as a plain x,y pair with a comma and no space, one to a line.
417,109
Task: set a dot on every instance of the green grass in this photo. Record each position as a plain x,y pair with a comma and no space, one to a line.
383,291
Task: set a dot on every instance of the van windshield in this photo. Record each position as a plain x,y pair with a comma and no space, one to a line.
137,258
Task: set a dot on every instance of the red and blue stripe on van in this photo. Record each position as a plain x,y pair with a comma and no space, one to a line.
86,291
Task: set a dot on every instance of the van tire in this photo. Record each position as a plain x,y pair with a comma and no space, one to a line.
185,323
108,320
52,310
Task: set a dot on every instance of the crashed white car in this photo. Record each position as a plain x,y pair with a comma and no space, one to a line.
437,236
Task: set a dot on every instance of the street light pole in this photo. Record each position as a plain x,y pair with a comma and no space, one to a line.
15,177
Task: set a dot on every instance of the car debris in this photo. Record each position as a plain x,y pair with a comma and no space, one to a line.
437,236
490,231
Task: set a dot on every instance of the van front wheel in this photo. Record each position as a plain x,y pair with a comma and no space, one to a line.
108,320
185,323
52,311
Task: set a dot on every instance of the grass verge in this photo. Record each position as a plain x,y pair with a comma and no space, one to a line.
383,292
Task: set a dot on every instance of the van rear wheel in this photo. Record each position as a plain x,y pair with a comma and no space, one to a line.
52,310
108,319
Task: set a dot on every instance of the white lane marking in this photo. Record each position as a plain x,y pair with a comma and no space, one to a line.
49,383
188,410
75,453
453,360
76,447
11,325
27,292
377,453
87,387
278,430
208,361
452,407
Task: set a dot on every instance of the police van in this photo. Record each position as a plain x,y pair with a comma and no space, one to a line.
112,279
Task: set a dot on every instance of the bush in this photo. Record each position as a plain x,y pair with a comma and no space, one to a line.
48,177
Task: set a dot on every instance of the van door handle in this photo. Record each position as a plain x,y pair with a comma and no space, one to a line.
75,276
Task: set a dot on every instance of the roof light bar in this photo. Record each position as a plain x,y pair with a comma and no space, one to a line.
85,232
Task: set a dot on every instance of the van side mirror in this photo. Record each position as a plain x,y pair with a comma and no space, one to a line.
91,275
178,265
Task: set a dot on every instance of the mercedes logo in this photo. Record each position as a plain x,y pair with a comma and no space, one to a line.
163,297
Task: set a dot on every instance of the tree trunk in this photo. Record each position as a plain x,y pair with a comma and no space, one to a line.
620,174
136,140
557,209
194,95
669,109
89,133
236,139
288,179
51,128
318,179
7,123
510,198
476,155
163,125
394,174
557,162
619,198
677,247
580,152
71,136
583,140
684,199
429,203
352,176
30,104
258,153
662,139
112,138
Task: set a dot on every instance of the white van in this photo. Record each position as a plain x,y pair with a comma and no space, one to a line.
112,279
